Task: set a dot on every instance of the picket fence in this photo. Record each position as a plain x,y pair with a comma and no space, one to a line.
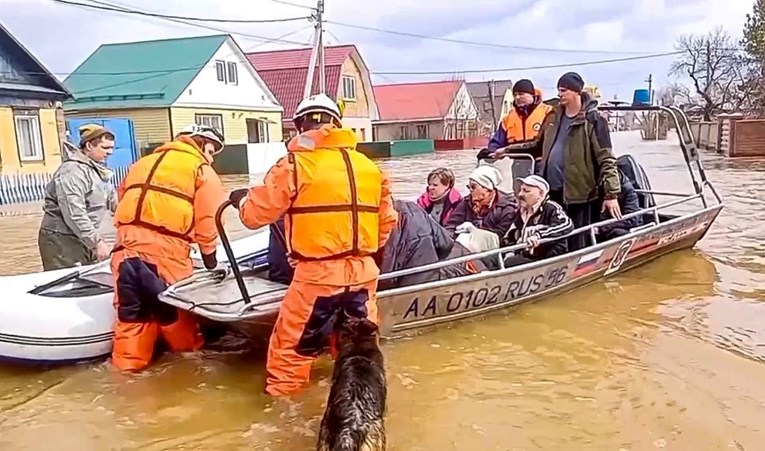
24,188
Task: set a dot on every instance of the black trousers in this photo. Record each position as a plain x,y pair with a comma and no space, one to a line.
582,214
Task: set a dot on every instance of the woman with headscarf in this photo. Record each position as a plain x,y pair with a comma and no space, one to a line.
486,207
440,197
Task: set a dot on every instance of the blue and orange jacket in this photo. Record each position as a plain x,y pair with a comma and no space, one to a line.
520,124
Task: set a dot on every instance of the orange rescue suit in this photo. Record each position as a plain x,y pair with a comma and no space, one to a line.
522,128
167,201
338,212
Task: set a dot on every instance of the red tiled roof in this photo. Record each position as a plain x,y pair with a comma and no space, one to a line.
287,85
284,72
412,101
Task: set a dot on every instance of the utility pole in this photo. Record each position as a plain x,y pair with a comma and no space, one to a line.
491,102
317,53
649,80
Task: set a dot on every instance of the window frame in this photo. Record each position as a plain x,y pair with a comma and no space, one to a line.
28,116
351,83
198,117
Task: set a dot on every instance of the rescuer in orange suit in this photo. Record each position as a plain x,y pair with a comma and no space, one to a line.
338,212
167,201
524,120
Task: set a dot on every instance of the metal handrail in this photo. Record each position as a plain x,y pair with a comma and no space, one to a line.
689,152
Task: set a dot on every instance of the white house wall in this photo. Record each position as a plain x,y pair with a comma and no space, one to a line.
205,91
463,106
260,157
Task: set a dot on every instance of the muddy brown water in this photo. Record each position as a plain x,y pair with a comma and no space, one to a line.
669,355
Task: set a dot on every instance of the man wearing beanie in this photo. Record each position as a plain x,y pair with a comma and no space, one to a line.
524,120
576,158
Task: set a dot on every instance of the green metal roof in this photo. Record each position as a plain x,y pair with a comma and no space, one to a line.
139,74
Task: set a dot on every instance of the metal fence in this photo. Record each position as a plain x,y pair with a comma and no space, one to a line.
23,188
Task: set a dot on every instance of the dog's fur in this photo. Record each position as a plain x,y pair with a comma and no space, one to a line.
354,417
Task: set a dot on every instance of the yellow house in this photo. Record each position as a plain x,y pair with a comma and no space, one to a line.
166,85
31,122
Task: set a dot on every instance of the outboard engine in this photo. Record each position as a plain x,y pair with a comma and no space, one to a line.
637,176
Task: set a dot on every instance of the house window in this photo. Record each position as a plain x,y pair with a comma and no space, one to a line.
220,69
257,131
210,120
7,71
349,87
422,131
233,76
403,132
28,135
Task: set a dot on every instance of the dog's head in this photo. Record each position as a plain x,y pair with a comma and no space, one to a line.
357,334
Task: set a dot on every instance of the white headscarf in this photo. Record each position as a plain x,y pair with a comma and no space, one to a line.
487,176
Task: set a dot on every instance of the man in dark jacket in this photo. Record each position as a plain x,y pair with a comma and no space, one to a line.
628,203
538,218
417,240
577,160
486,207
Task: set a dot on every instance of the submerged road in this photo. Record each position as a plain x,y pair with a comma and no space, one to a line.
669,355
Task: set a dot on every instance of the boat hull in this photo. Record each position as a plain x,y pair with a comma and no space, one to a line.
408,310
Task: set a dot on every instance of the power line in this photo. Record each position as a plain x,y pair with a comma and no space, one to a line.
481,44
296,5
549,66
104,7
265,39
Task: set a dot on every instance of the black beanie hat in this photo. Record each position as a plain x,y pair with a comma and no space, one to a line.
571,81
523,85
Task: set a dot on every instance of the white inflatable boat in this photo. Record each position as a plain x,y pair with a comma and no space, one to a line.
66,316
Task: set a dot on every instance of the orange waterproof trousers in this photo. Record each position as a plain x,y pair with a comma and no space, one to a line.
134,341
304,328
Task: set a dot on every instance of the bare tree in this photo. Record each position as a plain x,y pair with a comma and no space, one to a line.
716,69
677,94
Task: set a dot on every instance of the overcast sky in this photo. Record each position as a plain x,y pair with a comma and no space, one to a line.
587,30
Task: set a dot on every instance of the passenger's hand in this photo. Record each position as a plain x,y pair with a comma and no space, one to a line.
465,227
532,242
292,261
611,206
237,196
102,250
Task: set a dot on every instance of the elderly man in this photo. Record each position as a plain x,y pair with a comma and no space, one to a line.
77,200
538,218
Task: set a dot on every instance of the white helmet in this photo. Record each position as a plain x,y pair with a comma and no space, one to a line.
318,103
205,132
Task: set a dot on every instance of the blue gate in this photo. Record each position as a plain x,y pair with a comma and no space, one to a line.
125,150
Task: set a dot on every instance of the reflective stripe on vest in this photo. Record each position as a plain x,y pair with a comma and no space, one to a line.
524,129
160,206
318,217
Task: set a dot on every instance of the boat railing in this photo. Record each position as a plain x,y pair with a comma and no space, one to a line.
690,153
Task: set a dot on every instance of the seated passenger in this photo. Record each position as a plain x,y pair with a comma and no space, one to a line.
538,218
417,240
486,207
628,203
279,268
440,196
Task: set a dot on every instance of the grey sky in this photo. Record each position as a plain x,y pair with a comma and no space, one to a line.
63,36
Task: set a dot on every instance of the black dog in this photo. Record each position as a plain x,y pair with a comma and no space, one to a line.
354,418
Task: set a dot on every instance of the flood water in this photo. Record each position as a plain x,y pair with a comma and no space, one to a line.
669,355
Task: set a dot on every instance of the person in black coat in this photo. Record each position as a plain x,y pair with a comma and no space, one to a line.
417,240
628,203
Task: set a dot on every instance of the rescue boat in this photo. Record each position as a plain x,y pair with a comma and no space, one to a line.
66,316
248,301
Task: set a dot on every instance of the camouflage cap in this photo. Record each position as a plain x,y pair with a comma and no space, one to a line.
89,132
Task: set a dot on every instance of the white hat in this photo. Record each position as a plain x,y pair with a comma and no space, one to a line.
536,181
487,176
205,132
319,103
